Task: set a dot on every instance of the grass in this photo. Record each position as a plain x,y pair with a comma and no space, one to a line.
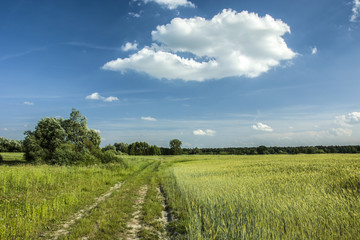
109,220
10,156
209,197
266,197
34,199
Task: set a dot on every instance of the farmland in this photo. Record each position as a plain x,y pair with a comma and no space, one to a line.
208,197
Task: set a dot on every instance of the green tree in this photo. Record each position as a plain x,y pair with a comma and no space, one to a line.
41,144
122,147
76,129
175,147
59,141
154,150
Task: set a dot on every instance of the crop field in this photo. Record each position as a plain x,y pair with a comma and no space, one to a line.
267,197
185,197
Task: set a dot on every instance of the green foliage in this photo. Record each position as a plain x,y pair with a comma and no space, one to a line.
7,145
109,147
1,158
59,141
122,147
175,147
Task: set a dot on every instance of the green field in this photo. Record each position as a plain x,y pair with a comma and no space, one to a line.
12,156
267,197
208,197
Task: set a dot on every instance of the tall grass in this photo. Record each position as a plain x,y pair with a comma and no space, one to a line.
36,198
267,197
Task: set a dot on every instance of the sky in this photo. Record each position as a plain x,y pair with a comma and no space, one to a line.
230,73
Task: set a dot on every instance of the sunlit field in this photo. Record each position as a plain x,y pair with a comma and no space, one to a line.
34,199
267,197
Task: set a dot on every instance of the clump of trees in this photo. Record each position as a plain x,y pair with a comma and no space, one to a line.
136,148
65,141
7,145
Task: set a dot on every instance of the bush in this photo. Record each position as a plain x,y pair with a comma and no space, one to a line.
66,155
1,158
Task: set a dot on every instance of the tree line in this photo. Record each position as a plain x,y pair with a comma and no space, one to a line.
70,141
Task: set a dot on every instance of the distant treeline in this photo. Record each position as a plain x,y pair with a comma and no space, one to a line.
7,145
274,150
142,148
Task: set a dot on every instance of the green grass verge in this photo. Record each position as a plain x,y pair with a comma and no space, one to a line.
10,156
34,199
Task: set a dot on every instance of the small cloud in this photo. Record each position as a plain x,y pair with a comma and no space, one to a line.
148,119
341,131
314,51
207,132
129,46
97,130
136,15
348,119
110,99
93,96
29,103
5,129
262,127
355,11
97,96
172,4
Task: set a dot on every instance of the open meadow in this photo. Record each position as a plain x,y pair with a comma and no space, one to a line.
206,197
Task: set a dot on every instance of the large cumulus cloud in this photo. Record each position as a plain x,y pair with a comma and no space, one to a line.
231,44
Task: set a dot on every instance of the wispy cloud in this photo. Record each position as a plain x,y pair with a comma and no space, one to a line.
93,46
29,103
172,4
355,11
207,132
151,119
262,127
136,15
97,96
20,54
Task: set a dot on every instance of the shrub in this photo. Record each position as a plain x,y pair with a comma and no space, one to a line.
1,158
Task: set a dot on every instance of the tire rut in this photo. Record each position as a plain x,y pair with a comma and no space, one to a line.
65,228
135,224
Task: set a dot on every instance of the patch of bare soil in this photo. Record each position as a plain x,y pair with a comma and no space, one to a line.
165,216
65,228
134,224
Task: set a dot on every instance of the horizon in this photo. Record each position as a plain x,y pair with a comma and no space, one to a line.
212,74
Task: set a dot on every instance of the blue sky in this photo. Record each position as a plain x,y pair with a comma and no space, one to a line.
210,73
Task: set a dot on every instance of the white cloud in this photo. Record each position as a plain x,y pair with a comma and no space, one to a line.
172,4
136,15
5,129
148,119
94,96
341,131
355,11
348,119
314,50
230,44
29,103
97,130
97,96
129,46
207,132
262,127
